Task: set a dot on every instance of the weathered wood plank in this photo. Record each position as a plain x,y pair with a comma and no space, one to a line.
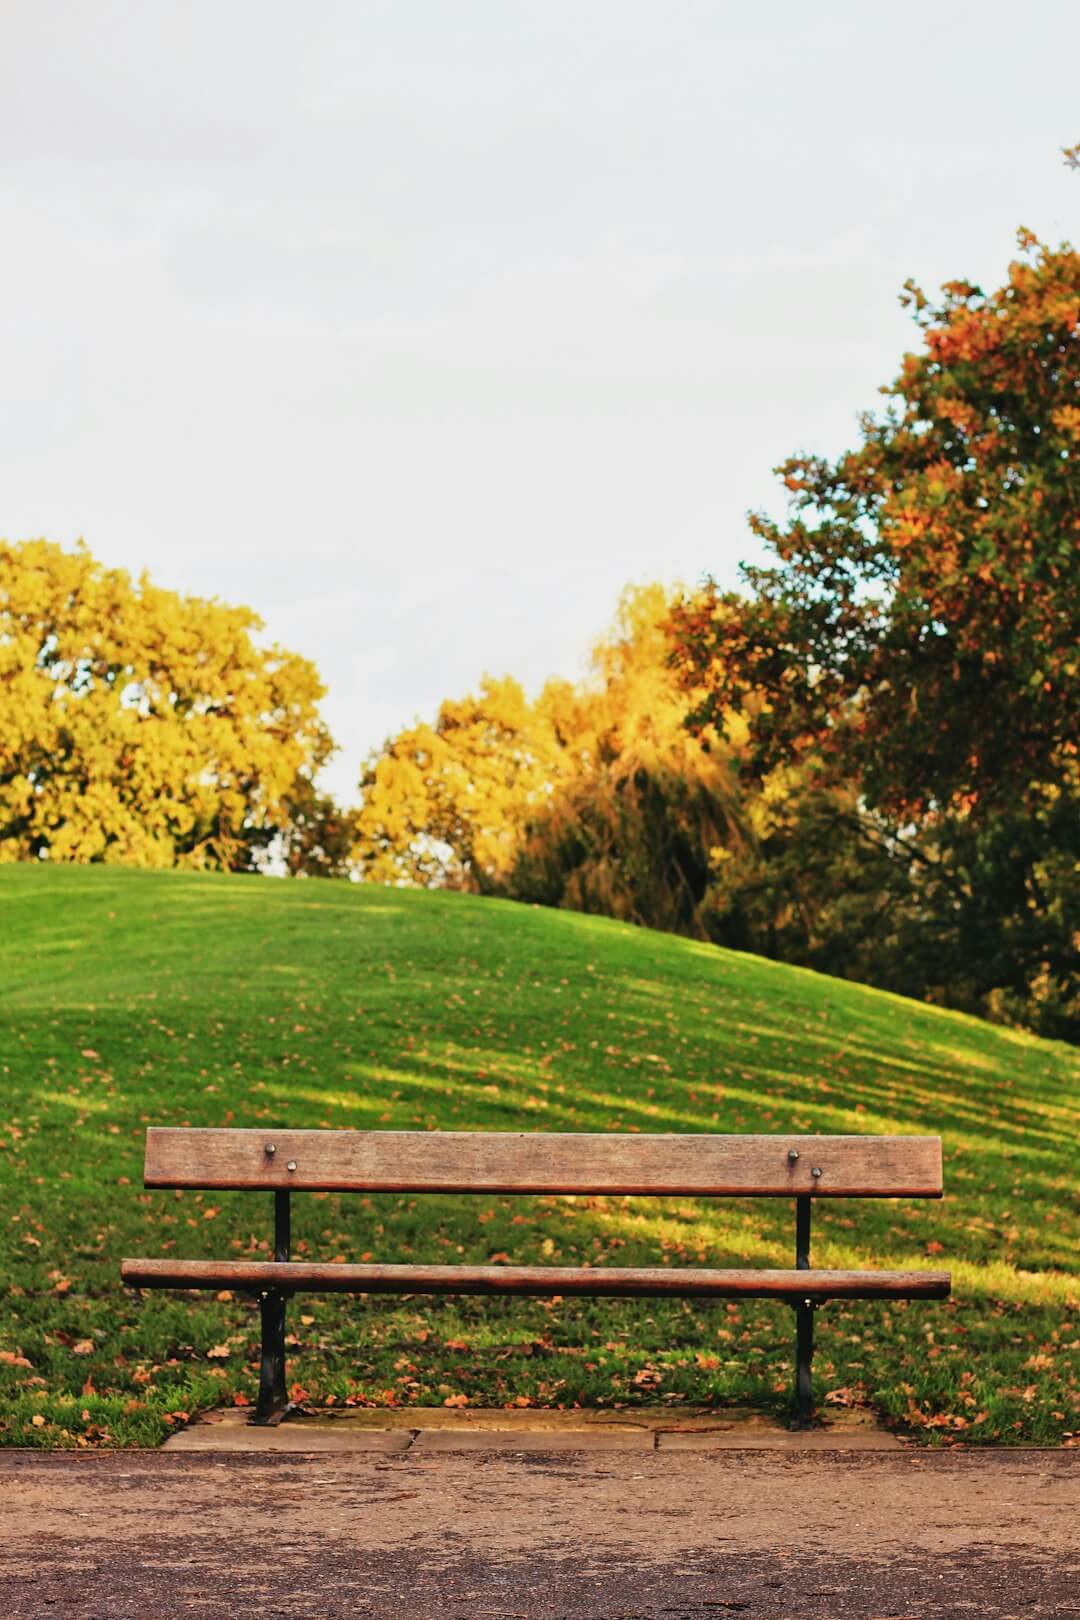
545,1162
601,1281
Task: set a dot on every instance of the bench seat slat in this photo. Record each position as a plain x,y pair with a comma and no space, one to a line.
544,1162
604,1281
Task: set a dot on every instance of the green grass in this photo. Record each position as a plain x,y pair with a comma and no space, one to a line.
131,998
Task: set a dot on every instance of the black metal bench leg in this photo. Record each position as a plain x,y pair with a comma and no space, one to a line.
803,1417
273,1400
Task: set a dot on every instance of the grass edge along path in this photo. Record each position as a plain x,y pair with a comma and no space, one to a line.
129,998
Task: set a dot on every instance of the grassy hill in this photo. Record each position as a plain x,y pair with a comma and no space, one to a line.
129,998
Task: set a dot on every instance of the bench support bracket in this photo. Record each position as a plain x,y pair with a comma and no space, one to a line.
802,1416
273,1401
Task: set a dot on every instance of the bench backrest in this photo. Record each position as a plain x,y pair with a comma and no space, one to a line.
544,1162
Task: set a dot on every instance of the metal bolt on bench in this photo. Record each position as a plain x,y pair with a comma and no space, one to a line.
538,1163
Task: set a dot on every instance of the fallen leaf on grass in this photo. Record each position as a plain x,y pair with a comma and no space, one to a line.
217,1352
10,1359
84,1347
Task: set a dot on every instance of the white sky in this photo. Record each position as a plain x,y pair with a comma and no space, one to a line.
425,326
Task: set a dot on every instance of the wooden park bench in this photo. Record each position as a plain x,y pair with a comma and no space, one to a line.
288,1161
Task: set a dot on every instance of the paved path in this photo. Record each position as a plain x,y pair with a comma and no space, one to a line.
534,1535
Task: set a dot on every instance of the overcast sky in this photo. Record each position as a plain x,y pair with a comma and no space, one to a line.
423,327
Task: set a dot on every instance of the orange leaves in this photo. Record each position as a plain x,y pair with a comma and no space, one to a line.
647,1378
1067,420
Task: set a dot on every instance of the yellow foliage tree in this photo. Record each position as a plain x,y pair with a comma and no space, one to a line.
636,829
140,726
594,797
444,805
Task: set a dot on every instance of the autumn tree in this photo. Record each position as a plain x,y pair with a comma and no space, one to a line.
140,726
638,824
594,797
444,805
916,640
